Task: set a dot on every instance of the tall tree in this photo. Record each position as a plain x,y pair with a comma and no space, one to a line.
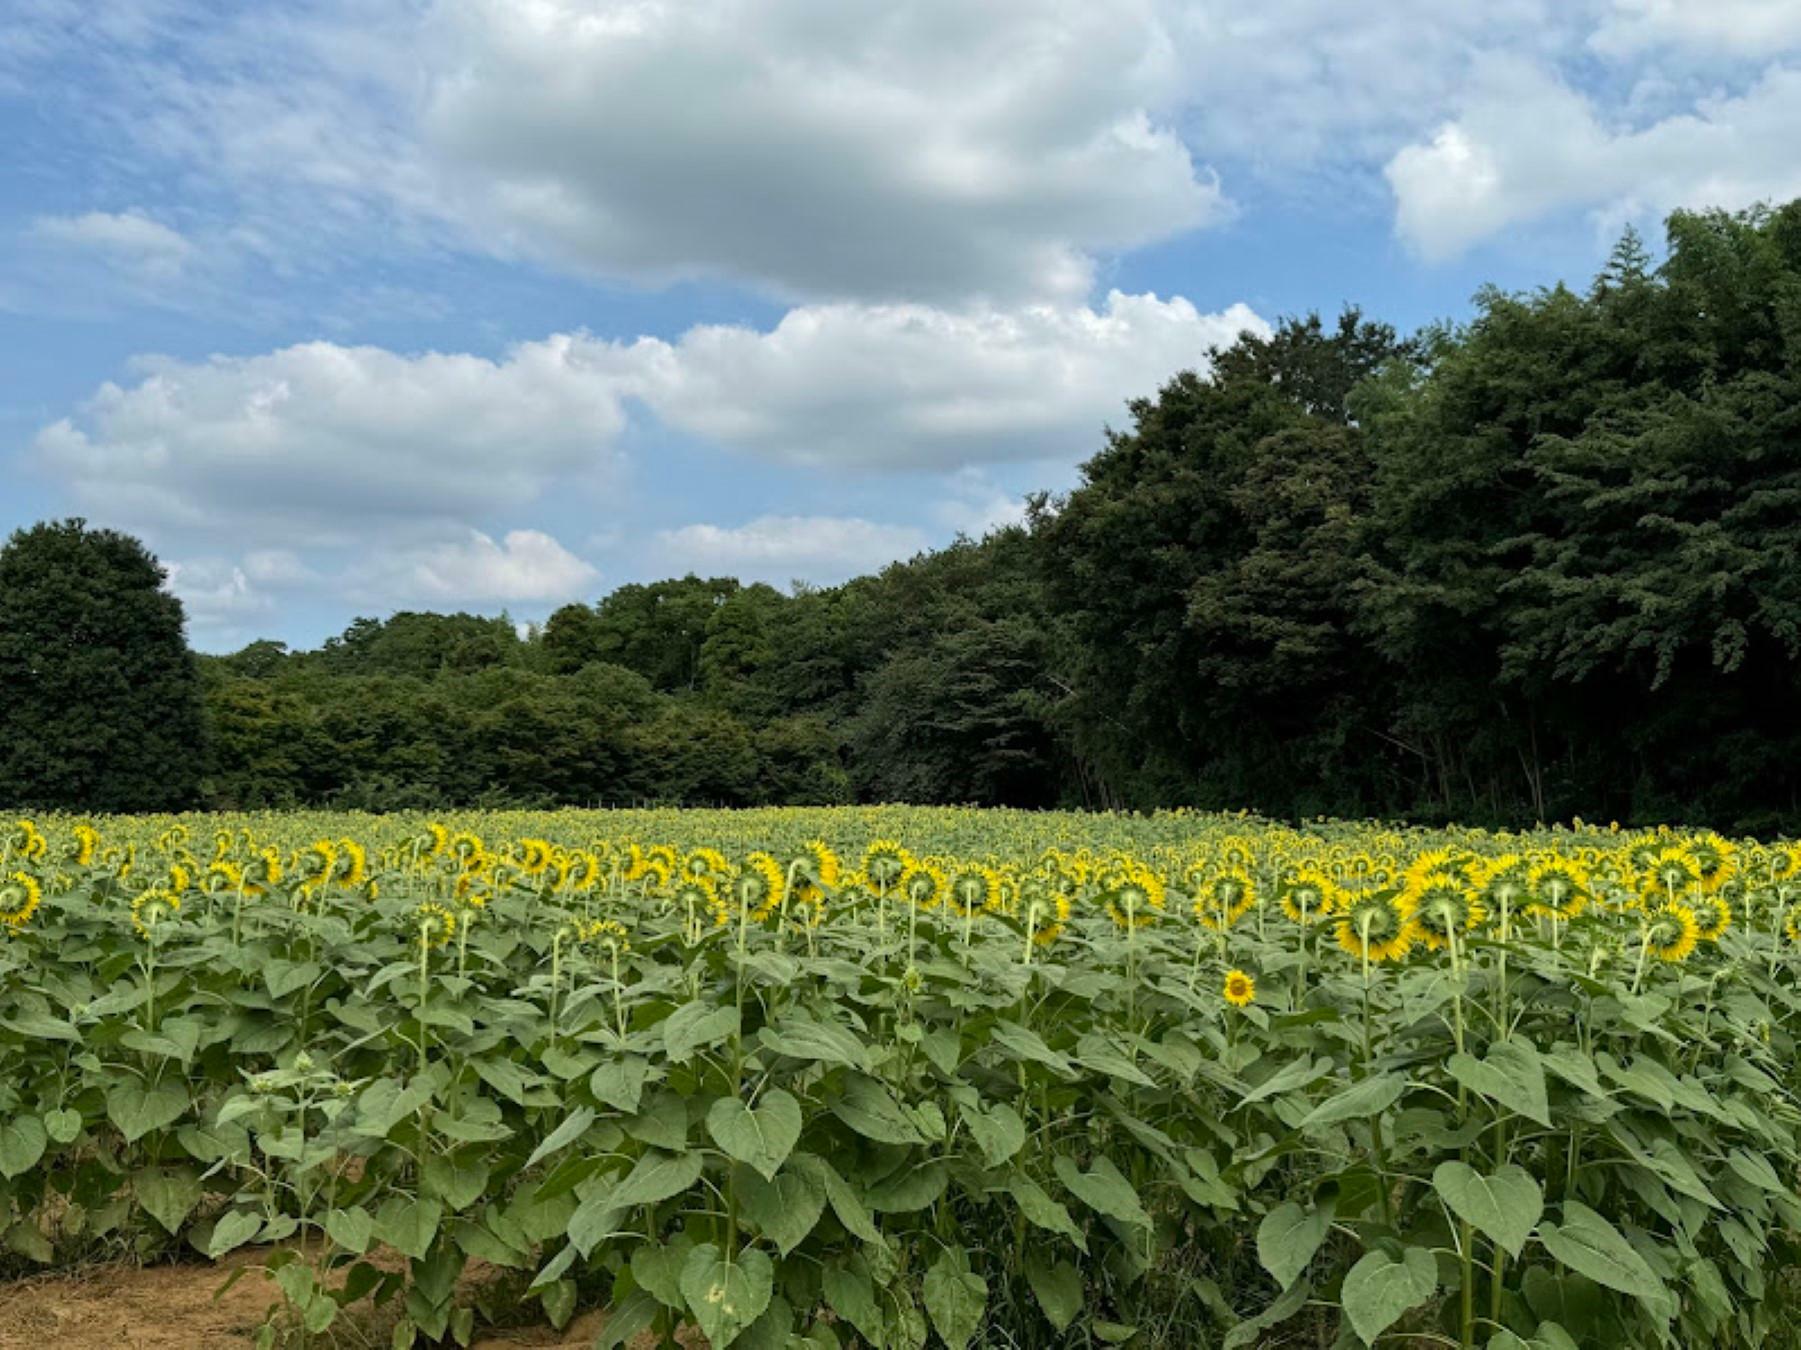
100,704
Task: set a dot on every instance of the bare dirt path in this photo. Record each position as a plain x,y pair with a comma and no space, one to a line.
181,1308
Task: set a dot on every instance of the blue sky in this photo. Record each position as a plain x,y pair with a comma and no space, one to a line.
496,304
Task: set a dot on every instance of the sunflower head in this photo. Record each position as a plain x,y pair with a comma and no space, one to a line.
1671,932
603,935
1373,925
1240,989
152,909
1442,908
885,862
20,895
433,925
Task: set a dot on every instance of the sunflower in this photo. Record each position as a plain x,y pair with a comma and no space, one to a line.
1372,925
1558,888
885,862
1671,932
1240,989
20,895
705,862
1224,897
28,841
1307,894
1791,924
434,924
87,841
699,895
534,856
352,868
1135,898
1046,911
315,863
972,887
1442,907
759,886
923,884
1716,857
152,908
222,876
1713,915
607,934
1673,871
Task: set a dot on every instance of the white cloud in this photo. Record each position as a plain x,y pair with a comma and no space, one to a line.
1526,145
857,386
1751,28
316,441
526,566
814,548
937,149
215,592
129,239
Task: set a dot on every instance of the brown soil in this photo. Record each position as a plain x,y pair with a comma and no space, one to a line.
181,1308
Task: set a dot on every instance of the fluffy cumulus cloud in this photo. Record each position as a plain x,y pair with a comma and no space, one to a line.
887,386
320,440
1526,145
858,149
526,566
316,441
778,548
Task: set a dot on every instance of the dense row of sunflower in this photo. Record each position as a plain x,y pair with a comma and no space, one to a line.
1331,1028
1383,896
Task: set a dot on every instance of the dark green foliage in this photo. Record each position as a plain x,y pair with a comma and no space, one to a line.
100,704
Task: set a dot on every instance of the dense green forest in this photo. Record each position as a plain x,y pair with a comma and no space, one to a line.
1541,564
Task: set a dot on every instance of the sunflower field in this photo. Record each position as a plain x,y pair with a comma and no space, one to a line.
893,1077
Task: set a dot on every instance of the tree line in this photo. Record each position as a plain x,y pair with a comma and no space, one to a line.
1540,564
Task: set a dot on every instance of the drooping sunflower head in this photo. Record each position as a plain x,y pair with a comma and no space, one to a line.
314,863
923,884
885,862
818,863
223,877
436,840
433,925
1713,915
351,868
699,896
1443,907
1045,910
759,886
1306,894
606,935
1240,989
27,841
1791,925
1372,925
87,844
533,856
1671,932
1716,857
465,845
153,909
1557,887
1504,883
20,895
971,887
705,862
1673,872
1135,897
1223,897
